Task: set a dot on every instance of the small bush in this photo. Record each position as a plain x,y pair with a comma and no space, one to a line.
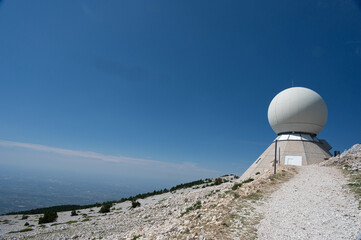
195,206
135,204
49,216
26,224
236,185
23,230
70,222
106,207
56,224
218,181
257,173
73,213
248,180
24,217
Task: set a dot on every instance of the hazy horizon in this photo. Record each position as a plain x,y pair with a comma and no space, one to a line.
24,189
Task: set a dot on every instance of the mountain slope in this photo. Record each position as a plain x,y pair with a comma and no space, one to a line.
318,202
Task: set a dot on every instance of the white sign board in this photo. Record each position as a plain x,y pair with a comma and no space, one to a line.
293,160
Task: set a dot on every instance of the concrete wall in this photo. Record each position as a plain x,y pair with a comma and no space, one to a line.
311,153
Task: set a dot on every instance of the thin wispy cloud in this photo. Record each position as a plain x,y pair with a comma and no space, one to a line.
107,158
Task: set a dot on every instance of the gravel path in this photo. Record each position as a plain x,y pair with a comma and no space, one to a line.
315,204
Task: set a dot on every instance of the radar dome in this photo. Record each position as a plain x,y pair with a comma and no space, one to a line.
297,109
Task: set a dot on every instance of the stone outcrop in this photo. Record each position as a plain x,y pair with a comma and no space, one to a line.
350,159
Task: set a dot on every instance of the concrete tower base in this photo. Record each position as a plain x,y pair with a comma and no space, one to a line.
292,149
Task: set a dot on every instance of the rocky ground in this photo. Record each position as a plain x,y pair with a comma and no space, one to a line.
349,159
214,212
315,204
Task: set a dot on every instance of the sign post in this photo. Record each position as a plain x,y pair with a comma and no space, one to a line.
275,161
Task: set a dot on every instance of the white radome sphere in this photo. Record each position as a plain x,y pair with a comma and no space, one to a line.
297,109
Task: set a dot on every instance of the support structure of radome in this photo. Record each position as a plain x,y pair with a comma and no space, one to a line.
297,115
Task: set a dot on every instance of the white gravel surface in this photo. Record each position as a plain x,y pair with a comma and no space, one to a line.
315,204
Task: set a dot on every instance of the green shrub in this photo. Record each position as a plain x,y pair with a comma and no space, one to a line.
49,216
106,207
24,217
135,204
257,173
218,181
248,180
26,224
23,230
73,213
236,185
56,224
195,206
70,222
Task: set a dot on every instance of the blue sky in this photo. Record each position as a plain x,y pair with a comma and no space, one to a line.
168,90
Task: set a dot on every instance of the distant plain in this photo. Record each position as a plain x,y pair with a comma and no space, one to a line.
23,190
